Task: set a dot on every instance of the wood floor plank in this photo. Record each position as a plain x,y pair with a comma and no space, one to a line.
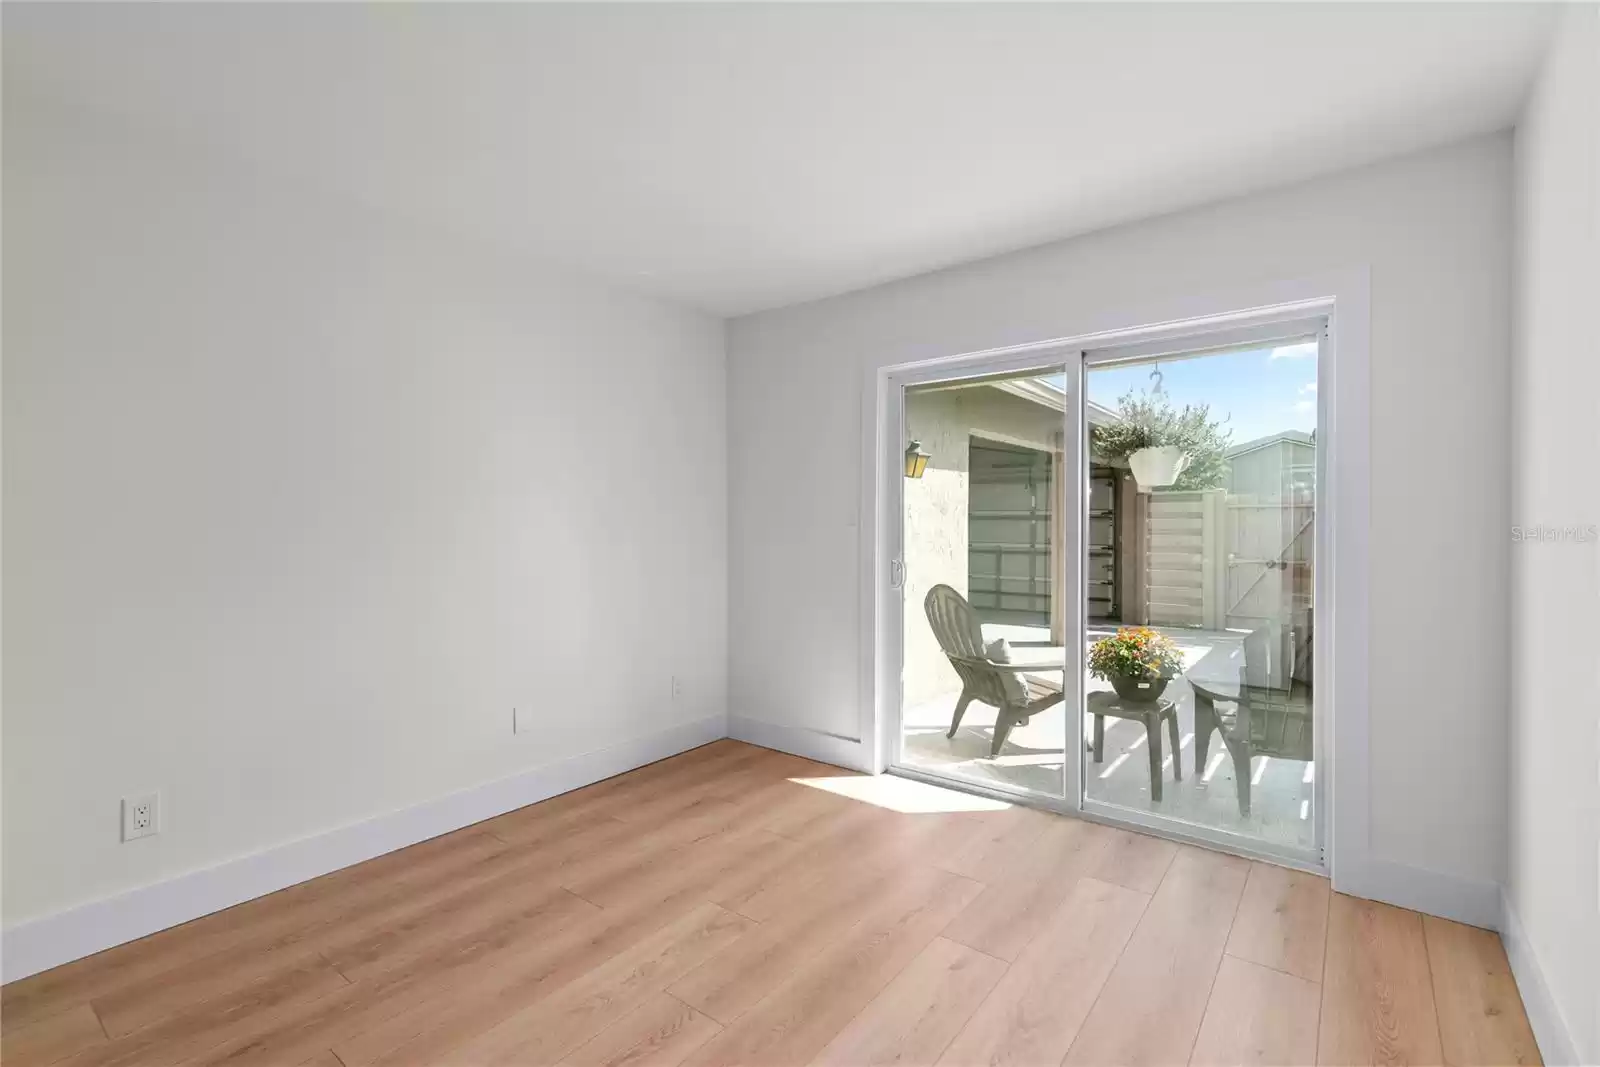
705,864
531,827
1033,1014
237,1017
674,781
1151,1007
735,981
1377,994
1481,1016
367,888
175,991
913,1020
1257,1015
796,1021
779,865
50,1039
870,843
325,1058
996,843
1282,921
491,969
393,925
809,814
492,985
639,797
500,914
358,1007
661,1032
1137,861
555,1025
795,810
1017,903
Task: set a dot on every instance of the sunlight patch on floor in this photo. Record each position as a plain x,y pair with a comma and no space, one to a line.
902,794
1112,769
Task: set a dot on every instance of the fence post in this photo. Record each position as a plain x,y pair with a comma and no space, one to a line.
1135,550
1213,565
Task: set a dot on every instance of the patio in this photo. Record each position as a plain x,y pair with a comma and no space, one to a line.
1032,757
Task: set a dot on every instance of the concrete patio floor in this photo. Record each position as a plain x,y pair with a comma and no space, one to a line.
1032,757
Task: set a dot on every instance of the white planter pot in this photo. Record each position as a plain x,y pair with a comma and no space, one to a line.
1155,467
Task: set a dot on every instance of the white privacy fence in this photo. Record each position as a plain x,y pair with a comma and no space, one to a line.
1184,576
1223,561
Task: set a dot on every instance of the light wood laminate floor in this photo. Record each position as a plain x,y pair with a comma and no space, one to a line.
734,905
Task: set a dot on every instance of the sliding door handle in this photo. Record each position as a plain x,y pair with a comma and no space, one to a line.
897,574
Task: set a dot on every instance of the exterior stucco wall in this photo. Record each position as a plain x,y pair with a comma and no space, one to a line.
937,507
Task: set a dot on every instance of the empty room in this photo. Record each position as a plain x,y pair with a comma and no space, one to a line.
766,534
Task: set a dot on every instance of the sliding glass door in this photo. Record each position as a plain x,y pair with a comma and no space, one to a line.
1103,574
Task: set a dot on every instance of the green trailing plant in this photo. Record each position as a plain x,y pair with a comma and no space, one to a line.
1148,420
1119,440
1136,652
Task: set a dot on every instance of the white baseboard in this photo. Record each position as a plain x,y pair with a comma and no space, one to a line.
1449,896
798,741
89,928
1556,1046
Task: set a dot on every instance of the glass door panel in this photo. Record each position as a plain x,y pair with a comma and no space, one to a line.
984,535
1199,615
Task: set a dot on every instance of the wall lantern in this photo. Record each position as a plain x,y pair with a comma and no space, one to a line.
916,460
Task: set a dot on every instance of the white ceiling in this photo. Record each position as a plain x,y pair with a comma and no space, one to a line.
737,157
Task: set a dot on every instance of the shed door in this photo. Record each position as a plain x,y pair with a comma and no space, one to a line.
1008,559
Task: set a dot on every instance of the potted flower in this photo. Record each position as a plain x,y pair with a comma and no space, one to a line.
1137,661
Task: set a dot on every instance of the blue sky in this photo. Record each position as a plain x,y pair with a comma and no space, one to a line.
1262,391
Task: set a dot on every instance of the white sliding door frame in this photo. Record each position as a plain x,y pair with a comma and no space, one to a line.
1277,326
1043,359
1334,310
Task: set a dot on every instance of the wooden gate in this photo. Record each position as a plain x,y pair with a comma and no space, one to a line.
1227,562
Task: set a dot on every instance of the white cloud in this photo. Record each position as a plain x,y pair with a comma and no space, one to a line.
1304,350
1305,407
1309,387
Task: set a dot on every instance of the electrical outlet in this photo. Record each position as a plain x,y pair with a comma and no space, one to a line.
677,687
141,816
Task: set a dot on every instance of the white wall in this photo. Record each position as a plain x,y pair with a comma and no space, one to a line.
300,503
1435,231
1555,591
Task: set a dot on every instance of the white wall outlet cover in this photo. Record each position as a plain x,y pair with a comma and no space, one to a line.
141,816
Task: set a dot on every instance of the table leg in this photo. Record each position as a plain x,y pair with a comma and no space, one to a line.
1205,721
1177,747
1152,730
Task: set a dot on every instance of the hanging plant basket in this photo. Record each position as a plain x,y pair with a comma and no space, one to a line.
1155,467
